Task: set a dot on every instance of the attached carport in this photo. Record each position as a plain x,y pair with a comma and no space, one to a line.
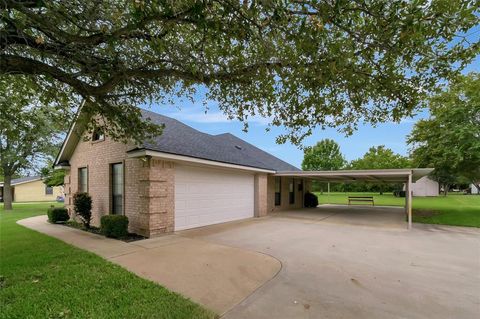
407,176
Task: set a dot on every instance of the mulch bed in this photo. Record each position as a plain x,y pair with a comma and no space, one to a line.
131,237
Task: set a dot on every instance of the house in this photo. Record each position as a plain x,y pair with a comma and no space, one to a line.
182,179
425,187
473,189
32,189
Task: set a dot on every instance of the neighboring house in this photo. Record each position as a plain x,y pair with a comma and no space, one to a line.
32,189
425,187
473,189
183,179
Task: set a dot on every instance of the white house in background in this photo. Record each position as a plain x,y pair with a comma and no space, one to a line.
425,187
473,189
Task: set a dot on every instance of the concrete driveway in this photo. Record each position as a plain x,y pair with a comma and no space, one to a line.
360,215
339,270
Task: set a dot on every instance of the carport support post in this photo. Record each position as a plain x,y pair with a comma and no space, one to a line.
409,200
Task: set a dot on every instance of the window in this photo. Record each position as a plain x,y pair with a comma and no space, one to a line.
98,135
48,190
117,188
83,180
278,191
291,191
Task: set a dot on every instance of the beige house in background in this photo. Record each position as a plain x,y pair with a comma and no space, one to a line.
183,179
32,189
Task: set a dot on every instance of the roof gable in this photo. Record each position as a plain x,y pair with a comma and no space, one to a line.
180,139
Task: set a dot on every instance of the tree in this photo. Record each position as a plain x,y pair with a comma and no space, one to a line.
380,157
449,140
52,177
30,125
324,156
305,64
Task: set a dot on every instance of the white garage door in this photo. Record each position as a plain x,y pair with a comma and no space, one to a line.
205,196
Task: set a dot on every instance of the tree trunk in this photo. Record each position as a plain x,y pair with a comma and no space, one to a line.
445,189
7,193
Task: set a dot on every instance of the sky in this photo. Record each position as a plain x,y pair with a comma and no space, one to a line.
392,135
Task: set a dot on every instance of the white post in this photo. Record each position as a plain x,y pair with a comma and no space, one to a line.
409,201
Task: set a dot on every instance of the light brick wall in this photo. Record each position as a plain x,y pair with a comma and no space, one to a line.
261,195
97,157
284,202
159,192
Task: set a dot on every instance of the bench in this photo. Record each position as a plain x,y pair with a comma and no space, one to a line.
360,199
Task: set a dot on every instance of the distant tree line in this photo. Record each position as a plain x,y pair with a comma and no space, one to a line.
449,141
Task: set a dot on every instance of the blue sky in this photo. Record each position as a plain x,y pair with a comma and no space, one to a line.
392,135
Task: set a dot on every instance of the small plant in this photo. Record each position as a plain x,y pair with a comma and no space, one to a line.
115,226
57,214
82,204
311,200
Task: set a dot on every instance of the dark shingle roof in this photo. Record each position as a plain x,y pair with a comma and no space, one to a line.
178,138
24,180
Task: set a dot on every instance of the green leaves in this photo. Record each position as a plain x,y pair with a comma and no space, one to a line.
305,64
324,156
380,157
32,122
450,139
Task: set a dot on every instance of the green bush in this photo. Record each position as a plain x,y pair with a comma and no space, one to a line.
311,200
115,226
82,204
57,214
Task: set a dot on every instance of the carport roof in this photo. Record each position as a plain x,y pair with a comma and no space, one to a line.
369,175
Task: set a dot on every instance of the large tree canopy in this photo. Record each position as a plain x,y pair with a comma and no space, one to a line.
301,63
450,139
31,126
380,157
323,156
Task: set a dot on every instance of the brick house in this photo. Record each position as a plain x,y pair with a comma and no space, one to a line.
183,179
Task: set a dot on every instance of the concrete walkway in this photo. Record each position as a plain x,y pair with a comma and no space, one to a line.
214,275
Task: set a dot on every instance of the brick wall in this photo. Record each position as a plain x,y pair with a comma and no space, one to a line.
97,157
261,195
159,194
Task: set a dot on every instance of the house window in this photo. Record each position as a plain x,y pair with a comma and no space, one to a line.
83,180
117,188
98,135
278,191
291,191
48,190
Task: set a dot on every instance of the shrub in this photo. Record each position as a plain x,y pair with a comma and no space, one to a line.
82,204
57,214
115,226
311,200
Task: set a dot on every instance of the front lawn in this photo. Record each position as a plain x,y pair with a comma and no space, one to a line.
42,277
454,209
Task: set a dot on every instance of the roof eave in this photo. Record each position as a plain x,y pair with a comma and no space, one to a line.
143,152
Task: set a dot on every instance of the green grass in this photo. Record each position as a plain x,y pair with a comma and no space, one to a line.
42,277
454,209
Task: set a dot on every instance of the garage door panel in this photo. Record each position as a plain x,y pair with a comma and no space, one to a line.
205,196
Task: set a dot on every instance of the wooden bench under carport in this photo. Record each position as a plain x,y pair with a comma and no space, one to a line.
368,199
